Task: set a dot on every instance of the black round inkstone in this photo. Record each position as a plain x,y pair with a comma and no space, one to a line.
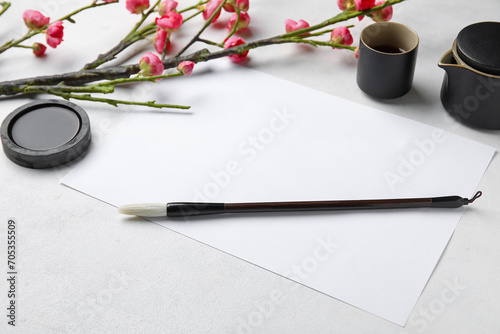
45,133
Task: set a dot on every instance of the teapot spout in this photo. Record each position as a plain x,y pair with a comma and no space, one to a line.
448,60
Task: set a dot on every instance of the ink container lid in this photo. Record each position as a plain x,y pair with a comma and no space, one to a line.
45,133
478,45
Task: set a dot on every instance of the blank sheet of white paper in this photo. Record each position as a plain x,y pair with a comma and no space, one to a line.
253,137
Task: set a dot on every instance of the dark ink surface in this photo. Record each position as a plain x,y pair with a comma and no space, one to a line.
45,128
45,133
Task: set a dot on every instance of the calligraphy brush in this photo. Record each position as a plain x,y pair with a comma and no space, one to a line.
185,209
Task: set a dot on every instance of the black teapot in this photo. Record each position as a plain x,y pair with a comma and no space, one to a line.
471,85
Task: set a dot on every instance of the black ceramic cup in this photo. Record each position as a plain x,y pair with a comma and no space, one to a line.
387,58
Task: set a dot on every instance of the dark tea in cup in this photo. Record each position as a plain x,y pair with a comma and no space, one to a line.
388,48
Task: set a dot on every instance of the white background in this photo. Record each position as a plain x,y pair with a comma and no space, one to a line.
83,269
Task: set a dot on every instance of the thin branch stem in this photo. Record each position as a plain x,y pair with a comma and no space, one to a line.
207,23
23,46
152,78
237,11
321,43
209,42
5,6
147,28
32,33
320,33
69,17
194,15
164,51
141,21
113,102
201,3
132,37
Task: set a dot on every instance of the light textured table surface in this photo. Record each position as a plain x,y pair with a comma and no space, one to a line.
84,269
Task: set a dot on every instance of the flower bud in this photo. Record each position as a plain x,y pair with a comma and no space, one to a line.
242,23
166,6
54,34
137,6
160,39
341,35
243,5
234,41
291,25
210,8
364,4
171,21
34,19
228,7
150,65
186,67
344,4
39,49
383,15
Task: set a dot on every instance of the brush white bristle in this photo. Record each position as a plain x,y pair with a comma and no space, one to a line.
144,210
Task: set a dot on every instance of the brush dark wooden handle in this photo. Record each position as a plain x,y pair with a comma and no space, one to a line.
183,209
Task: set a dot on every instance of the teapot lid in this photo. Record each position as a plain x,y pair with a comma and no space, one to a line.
478,45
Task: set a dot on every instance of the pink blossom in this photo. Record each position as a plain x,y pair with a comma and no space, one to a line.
210,8
242,5
356,53
166,6
364,4
358,5
171,21
291,25
382,15
137,6
234,41
341,35
54,34
39,49
243,22
150,65
186,67
160,39
34,19
228,7
344,4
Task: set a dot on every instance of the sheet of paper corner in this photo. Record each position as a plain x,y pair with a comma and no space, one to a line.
253,137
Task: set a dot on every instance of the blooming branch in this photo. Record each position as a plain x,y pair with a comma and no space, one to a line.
137,34
80,84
